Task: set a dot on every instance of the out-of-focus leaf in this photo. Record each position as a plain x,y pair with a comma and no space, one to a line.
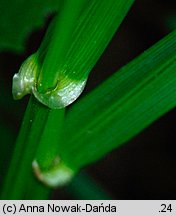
19,18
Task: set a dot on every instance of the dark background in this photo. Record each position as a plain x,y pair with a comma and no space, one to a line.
143,168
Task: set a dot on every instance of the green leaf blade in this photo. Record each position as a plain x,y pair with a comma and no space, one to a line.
122,106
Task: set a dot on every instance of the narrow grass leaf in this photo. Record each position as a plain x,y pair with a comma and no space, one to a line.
58,72
32,135
122,106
